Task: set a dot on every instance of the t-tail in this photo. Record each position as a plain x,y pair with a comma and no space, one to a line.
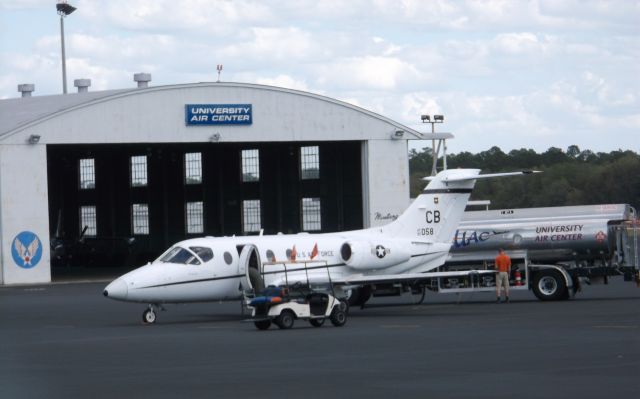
437,211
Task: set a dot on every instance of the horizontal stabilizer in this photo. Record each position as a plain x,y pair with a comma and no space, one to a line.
477,177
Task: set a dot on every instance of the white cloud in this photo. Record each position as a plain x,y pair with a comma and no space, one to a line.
370,72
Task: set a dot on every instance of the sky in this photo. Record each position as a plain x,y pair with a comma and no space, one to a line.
507,73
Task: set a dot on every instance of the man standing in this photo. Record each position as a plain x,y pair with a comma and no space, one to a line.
503,269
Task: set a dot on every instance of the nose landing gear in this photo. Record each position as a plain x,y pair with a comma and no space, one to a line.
149,315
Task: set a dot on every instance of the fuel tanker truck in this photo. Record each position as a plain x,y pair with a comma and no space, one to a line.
554,250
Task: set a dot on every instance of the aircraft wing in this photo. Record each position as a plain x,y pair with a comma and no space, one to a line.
393,278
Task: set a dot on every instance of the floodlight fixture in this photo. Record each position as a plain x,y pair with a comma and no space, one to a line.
397,135
64,8
434,155
34,139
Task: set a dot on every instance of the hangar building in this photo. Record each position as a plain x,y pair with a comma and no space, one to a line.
113,178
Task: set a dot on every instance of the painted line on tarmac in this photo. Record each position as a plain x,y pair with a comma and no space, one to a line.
398,326
614,327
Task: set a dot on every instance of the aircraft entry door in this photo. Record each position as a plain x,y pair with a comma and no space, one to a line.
249,265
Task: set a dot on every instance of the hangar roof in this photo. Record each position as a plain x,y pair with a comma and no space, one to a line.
18,114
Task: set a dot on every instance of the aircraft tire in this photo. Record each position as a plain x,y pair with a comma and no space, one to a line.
262,324
316,322
285,320
149,316
359,296
338,317
549,285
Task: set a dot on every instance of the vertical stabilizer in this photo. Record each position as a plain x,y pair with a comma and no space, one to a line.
436,213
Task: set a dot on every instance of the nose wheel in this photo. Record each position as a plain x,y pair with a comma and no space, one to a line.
149,315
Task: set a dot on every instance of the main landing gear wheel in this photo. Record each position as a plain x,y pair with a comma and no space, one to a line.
263,324
549,285
316,322
338,317
149,316
359,296
285,320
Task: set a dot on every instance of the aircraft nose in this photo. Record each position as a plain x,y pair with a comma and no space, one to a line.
116,290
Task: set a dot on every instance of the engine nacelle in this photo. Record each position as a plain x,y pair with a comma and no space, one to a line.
365,255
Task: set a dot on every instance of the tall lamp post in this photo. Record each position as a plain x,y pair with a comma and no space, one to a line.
434,153
64,9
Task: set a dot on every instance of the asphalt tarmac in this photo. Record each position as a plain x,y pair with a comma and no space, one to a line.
68,341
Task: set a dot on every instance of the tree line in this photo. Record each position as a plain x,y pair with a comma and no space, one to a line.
571,177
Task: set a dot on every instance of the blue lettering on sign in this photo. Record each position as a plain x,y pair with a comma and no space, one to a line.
473,237
26,249
218,114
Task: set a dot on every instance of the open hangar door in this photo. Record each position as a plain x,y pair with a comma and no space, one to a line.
120,206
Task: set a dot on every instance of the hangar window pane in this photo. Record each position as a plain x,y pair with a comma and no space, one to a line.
139,171
88,221
195,217
193,168
251,215
87,174
309,162
140,219
311,214
250,165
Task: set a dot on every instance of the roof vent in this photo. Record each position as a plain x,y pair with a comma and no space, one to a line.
26,89
142,78
82,85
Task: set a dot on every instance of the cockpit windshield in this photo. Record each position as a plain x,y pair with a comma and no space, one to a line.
181,256
206,254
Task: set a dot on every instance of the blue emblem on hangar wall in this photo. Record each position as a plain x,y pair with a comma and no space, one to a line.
26,249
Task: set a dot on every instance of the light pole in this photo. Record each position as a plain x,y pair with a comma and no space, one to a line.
434,153
64,9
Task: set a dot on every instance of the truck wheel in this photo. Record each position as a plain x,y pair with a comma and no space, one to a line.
338,317
262,324
316,322
286,319
549,285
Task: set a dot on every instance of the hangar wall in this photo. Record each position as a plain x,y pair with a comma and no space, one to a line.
23,187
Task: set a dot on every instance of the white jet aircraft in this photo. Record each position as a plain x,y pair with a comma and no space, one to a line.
222,268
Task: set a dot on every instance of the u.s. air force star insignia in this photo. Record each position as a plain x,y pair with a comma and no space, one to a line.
380,251
435,200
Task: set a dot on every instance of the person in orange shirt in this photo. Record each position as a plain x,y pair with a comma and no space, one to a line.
503,269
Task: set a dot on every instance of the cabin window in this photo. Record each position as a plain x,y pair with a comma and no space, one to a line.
206,254
271,257
251,216
87,174
140,219
310,162
194,217
311,214
250,165
139,171
227,258
88,220
180,256
193,168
